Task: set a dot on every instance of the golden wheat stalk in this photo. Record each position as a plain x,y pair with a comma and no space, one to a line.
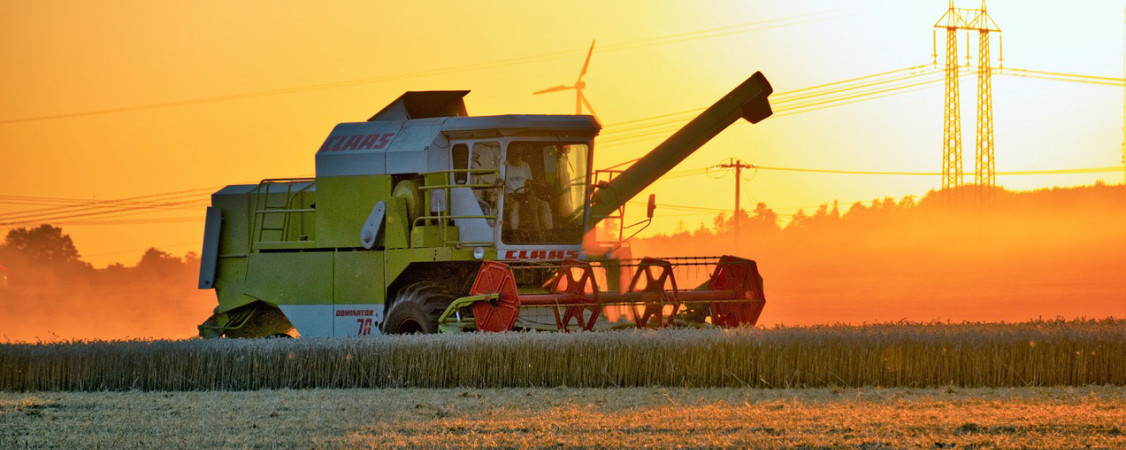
1044,353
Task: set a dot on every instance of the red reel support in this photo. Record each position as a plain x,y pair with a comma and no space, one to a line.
740,275
657,273
565,282
500,314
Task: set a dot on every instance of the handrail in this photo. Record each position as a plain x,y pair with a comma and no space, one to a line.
444,219
262,208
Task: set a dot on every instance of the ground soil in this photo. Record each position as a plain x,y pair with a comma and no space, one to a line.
664,417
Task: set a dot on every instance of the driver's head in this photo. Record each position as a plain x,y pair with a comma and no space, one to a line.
515,156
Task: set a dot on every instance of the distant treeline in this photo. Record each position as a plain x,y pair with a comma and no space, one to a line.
31,256
970,253
49,292
977,254
935,213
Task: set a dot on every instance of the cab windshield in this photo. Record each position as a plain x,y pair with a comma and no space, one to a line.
544,192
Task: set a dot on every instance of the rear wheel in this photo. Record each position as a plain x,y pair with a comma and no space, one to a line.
416,309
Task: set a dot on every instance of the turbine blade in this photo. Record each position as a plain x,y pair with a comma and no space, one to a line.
554,89
588,107
587,62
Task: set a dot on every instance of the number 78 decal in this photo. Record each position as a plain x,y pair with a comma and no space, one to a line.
365,327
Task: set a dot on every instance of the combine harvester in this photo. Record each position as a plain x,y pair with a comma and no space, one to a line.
423,219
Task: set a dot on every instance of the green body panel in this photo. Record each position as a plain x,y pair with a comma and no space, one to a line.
291,277
282,216
233,298
235,235
230,284
232,271
343,205
435,179
396,226
358,277
234,247
343,277
398,259
431,236
297,242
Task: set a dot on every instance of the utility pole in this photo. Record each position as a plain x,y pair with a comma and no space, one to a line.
738,165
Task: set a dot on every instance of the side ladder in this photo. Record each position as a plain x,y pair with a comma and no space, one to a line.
276,215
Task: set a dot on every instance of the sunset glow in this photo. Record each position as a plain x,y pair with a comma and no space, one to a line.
166,102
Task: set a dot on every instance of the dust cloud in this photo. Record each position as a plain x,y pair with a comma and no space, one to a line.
962,255
156,299
969,254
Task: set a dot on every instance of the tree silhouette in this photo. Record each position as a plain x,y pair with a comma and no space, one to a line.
159,263
41,250
41,246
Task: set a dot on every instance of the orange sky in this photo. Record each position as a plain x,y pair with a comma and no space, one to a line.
64,57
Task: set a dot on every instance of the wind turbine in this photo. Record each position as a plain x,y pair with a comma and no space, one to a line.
580,99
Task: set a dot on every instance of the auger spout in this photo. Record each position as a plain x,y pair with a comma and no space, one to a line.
748,100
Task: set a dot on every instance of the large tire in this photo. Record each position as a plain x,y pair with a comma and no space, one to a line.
416,309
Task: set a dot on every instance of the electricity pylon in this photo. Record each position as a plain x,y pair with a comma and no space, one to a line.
985,172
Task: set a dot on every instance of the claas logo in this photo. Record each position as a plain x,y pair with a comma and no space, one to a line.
375,141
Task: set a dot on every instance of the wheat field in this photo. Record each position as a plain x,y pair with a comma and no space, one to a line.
660,417
1042,353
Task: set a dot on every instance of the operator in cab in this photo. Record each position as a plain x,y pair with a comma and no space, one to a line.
523,210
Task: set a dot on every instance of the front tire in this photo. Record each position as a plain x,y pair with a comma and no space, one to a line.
416,309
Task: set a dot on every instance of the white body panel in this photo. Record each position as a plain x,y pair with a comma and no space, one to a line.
464,203
335,320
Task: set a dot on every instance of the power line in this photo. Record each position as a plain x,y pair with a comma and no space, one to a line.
849,91
183,199
795,101
629,45
165,220
125,211
795,94
909,173
817,97
72,204
1059,76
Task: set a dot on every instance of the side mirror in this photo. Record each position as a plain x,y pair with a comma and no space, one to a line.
652,205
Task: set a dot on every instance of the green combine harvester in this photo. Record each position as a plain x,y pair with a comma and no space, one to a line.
423,219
